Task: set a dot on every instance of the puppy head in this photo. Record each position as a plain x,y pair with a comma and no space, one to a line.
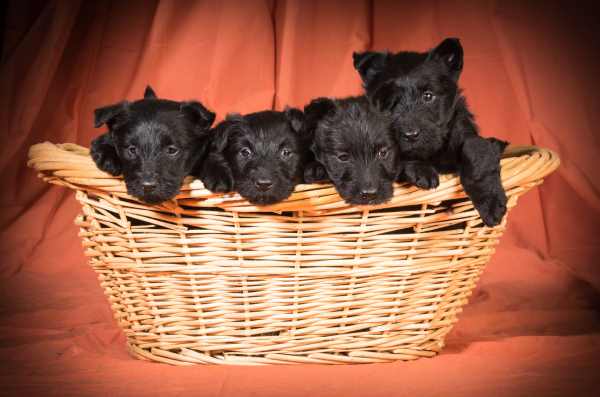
265,152
153,142
419,88
353,141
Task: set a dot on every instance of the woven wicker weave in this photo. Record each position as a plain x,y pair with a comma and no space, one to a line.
212,279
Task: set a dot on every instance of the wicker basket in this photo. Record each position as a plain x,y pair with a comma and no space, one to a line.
212,279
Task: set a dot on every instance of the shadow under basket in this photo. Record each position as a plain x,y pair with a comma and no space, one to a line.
211,279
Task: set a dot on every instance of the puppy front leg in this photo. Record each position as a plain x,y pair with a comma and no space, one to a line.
216,174
480,176
419,173
105,155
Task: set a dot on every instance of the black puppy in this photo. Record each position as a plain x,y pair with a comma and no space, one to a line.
355,146
432,123
260,155
153,142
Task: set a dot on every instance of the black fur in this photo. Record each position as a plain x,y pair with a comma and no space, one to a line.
353,143
153,142
432,123
260,155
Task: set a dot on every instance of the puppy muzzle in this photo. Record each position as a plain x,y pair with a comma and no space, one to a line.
263,184
411,134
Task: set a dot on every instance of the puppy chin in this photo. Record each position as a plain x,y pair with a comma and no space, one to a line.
152,198
410,145
424,146
383,196
266,198
360,201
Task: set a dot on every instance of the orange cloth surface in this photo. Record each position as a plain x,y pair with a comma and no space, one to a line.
533,324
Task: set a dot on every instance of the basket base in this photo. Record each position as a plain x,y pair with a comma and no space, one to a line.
187,357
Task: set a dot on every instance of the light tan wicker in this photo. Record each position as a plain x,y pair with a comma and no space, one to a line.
211,279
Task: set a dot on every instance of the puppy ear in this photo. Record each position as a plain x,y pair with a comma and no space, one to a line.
385,98
197,114
369,64
316,110
450,52
111,114
105,155
234,117
295,118
220,134
149,93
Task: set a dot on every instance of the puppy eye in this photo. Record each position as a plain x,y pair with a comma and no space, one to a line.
343,157
285,152
382,153
428,96
245,152
132,150
172,150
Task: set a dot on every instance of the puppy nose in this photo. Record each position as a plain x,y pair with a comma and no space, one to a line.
411,134
148,186
368,194
263,184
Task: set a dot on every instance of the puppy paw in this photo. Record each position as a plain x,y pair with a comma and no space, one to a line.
491,208
107,163
315,173
216,175
422,175
218,185
105,155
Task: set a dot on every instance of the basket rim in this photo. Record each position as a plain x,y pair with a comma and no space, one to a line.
71,165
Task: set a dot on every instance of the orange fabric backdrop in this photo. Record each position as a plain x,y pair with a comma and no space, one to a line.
533,326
